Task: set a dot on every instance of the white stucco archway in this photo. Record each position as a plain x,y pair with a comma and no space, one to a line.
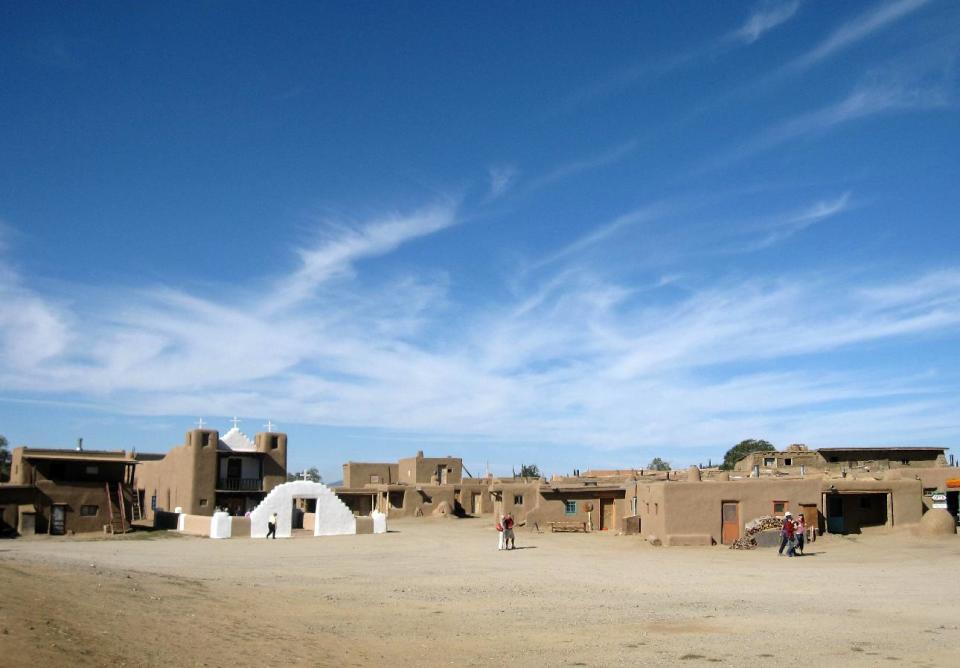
333,518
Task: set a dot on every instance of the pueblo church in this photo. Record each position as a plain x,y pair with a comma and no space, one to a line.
210,471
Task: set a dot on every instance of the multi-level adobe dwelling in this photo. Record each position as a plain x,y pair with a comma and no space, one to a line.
209,472
841,459
60,491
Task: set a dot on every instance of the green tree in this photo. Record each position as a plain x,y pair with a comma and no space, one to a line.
529,471
4,459
743,448
311,474
657,464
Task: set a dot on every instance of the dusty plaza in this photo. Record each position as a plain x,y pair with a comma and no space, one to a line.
436,592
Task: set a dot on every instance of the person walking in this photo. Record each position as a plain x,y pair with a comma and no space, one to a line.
508,538
786,535
800,532
272,526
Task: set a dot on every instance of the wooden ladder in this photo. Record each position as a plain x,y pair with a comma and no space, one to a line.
136,511
118,522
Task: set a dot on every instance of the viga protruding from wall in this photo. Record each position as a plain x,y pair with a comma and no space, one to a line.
332,517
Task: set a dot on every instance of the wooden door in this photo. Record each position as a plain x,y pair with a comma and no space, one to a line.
730,531
58,520
476,503
606,514
811,516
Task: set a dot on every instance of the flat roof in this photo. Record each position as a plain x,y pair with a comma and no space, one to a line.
114,457
884,447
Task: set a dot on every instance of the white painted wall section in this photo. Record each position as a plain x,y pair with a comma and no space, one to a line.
379,522
333,518
221,525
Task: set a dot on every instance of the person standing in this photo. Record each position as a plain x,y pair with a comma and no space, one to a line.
500,541
786,535
508,538
800,532
272,526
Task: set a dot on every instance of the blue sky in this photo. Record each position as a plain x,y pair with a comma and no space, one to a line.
574,235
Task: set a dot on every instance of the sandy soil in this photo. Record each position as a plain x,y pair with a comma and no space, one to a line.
436,592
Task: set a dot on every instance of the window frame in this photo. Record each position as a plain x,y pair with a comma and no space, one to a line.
567,507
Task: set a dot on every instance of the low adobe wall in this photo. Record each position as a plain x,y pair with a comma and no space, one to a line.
194,525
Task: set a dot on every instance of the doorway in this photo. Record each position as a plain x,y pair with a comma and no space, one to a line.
730,529
58,520
606,514
850,512
477,503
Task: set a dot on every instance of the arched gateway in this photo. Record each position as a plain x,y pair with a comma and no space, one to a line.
332,517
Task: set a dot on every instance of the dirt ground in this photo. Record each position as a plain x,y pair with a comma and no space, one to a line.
436,592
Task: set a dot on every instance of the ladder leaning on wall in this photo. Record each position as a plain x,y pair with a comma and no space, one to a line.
118,523
136,510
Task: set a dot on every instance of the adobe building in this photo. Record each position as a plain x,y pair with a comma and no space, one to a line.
209,472
58,492
841,459
413,487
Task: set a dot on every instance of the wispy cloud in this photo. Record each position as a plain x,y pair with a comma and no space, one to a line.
501,179
608,156
783,228
765,18
856,30
344,245
579,357
895,89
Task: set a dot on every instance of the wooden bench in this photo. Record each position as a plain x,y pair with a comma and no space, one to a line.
568,527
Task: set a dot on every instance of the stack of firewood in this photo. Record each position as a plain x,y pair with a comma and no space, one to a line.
765,523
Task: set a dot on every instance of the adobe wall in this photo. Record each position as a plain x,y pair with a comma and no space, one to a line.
694,508
551,507
185,477
72,496
932,479
11,498
651,508
471,487
905,495
274,446
358,474
194,525
421,470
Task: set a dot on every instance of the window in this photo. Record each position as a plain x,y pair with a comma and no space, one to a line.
518,499
92,469
570,507
153,502
928,491
89,511
769,461
787,461
780,507
375,479
203,502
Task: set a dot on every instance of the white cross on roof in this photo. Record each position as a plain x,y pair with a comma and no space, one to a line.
235,421
269,425
200,423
